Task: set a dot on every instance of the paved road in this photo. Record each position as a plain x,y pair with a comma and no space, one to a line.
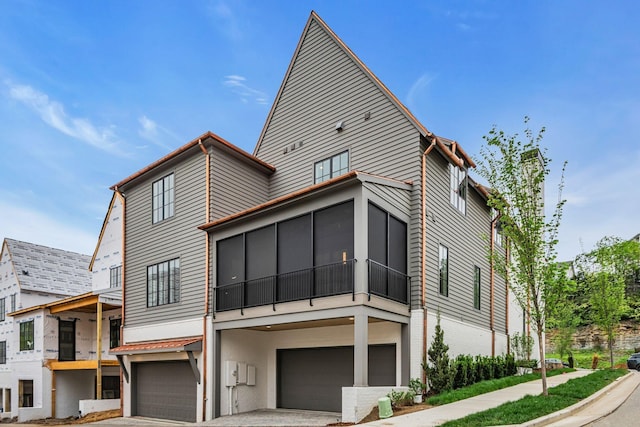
625,415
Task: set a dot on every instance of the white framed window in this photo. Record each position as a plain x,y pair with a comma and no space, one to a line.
443,265
331,167
115,277
458,188
163,198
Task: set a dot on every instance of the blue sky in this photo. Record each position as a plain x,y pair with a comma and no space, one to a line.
92,91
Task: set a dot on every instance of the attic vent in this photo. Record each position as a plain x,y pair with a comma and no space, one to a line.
25,272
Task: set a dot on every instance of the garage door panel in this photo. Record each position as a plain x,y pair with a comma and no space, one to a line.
312,378
165,390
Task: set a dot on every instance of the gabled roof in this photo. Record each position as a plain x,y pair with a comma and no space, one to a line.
118,196
85,303
208,137
452,151
44,269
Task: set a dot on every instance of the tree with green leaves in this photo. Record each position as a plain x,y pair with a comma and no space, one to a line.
516,171
440,375
562,310
606,271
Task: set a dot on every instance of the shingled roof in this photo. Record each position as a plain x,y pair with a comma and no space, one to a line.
44,269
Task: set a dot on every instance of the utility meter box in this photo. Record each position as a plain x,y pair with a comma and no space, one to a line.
231,373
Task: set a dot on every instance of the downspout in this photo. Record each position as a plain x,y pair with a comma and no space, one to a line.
123,281
423,258
492,283
206,275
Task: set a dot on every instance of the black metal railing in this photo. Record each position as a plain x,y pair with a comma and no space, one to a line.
387,282
320,281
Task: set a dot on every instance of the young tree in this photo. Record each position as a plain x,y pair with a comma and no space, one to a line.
516,171
607,270
439,373
562,310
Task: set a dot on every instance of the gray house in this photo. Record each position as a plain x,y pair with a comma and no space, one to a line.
309,274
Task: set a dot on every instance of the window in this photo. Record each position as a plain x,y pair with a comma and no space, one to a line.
25,393
3,352
13,302
497,235
66,340
476,287
114,332
443,263
115,274
163,198
2,309
110,387
26,335
331,167
163,283
458,184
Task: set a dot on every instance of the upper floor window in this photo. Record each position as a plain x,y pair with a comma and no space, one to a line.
2,309
458,186
163,283
443,265
476,287
163,198
331,167
3,352
26,335
13,302
115,277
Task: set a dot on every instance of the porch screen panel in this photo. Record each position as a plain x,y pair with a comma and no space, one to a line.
230,272
332,246
377,237
295,259
397,259
260,264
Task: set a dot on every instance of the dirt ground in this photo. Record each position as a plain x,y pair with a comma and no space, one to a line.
373,415
89,418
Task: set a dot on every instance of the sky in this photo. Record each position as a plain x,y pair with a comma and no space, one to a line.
93,91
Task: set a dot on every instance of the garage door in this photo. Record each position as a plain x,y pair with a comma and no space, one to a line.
164,390
312,378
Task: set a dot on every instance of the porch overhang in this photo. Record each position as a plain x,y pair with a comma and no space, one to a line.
188,345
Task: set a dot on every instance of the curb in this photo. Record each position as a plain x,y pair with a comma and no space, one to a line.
570,410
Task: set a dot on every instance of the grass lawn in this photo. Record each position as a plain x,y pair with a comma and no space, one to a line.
531,407
487,386
583,358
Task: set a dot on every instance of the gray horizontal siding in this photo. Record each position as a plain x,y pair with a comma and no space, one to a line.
176,237
466,238
235,185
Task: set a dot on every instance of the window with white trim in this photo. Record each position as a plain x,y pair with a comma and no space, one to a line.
458,187
331,167
115,277
163,283
443,265
163,198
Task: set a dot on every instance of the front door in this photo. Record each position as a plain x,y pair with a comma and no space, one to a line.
66,340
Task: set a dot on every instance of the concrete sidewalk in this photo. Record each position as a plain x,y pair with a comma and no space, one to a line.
441,414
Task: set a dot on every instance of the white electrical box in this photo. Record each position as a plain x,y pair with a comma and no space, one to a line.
251,375
242,373
231,373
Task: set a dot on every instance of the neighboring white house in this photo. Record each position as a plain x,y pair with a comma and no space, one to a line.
31,275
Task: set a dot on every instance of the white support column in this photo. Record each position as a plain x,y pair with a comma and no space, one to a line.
361,350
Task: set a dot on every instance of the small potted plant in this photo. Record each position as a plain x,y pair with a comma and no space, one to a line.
418,388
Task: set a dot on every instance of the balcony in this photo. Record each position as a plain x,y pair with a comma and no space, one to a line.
309,284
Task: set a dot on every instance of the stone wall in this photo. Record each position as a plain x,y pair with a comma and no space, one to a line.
591,337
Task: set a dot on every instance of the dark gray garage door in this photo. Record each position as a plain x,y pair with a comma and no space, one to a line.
312,378
164,390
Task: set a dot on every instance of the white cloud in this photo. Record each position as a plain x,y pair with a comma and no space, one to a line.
53,114
226,21
417,88
246,93
39,227
151,131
